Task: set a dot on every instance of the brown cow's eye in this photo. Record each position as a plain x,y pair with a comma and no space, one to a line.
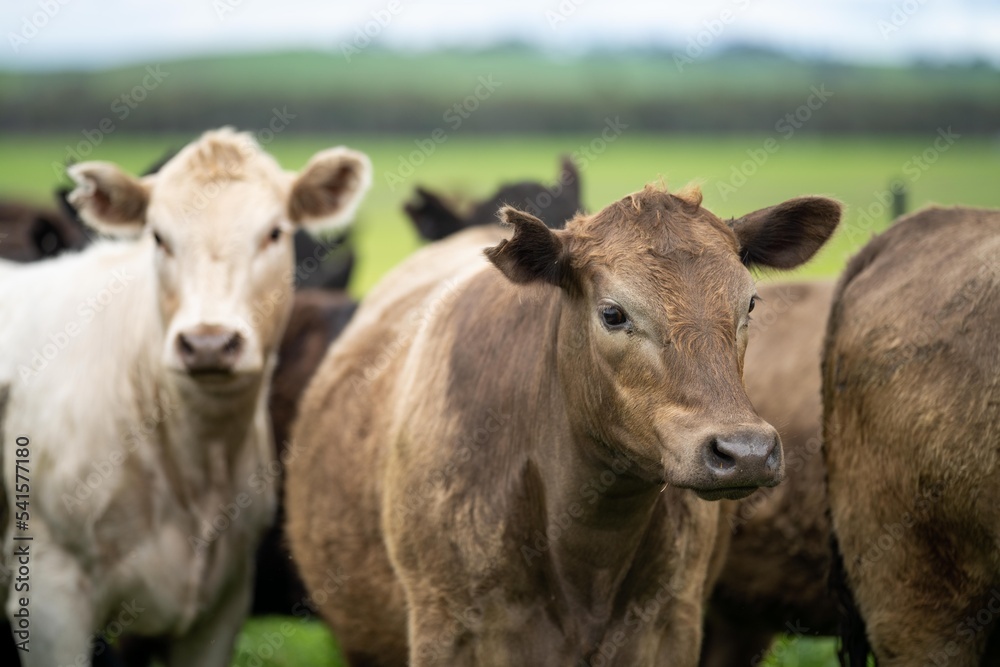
753,301
613,317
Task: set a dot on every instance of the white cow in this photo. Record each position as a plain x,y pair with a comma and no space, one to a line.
133,387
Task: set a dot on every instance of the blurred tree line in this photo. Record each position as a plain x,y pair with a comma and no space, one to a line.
509,89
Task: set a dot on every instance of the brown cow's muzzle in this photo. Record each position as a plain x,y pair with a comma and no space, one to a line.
740,461
208,350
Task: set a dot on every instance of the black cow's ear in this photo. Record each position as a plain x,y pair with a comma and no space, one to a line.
433,218
787,234
533,253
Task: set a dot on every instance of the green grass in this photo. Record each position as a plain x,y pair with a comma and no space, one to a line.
470,166
850,169
276,641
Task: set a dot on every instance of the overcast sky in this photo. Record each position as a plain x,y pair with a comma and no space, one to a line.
96,33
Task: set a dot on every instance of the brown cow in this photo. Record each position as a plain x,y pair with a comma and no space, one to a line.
495,466
29,233
777,566
775,577
911,397
318,316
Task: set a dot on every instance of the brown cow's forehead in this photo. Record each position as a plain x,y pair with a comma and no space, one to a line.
650,222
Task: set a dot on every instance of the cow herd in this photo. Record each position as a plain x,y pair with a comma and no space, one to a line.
568,439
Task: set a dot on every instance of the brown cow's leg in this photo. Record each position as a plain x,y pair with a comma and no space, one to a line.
435,637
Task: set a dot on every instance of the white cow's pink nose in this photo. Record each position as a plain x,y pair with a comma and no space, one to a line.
209,349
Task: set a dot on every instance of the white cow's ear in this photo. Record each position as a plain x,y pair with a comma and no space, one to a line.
327,192
108,199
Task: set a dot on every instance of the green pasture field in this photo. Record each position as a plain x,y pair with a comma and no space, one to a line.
855,170
738,174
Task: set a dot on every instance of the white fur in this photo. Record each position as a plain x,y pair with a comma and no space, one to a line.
123,523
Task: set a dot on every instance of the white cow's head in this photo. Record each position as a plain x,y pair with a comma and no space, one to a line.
218,220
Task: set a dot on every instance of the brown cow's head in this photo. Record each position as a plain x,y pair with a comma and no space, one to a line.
217,220
657,298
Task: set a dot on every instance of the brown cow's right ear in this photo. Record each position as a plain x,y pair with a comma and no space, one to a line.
534,252
108,199
788,234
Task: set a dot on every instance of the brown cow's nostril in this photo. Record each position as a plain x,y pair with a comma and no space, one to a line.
744,458
720,459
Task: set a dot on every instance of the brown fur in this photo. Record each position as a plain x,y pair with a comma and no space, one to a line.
775,576
29,233
445,487
318,317
911,393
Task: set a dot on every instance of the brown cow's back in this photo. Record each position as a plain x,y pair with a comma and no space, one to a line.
911,388
775,577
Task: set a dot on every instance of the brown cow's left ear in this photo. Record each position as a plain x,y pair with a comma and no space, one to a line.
788,234
107,199
534,252
326,194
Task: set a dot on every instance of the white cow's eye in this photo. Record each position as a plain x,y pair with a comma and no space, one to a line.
275,234
160,243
